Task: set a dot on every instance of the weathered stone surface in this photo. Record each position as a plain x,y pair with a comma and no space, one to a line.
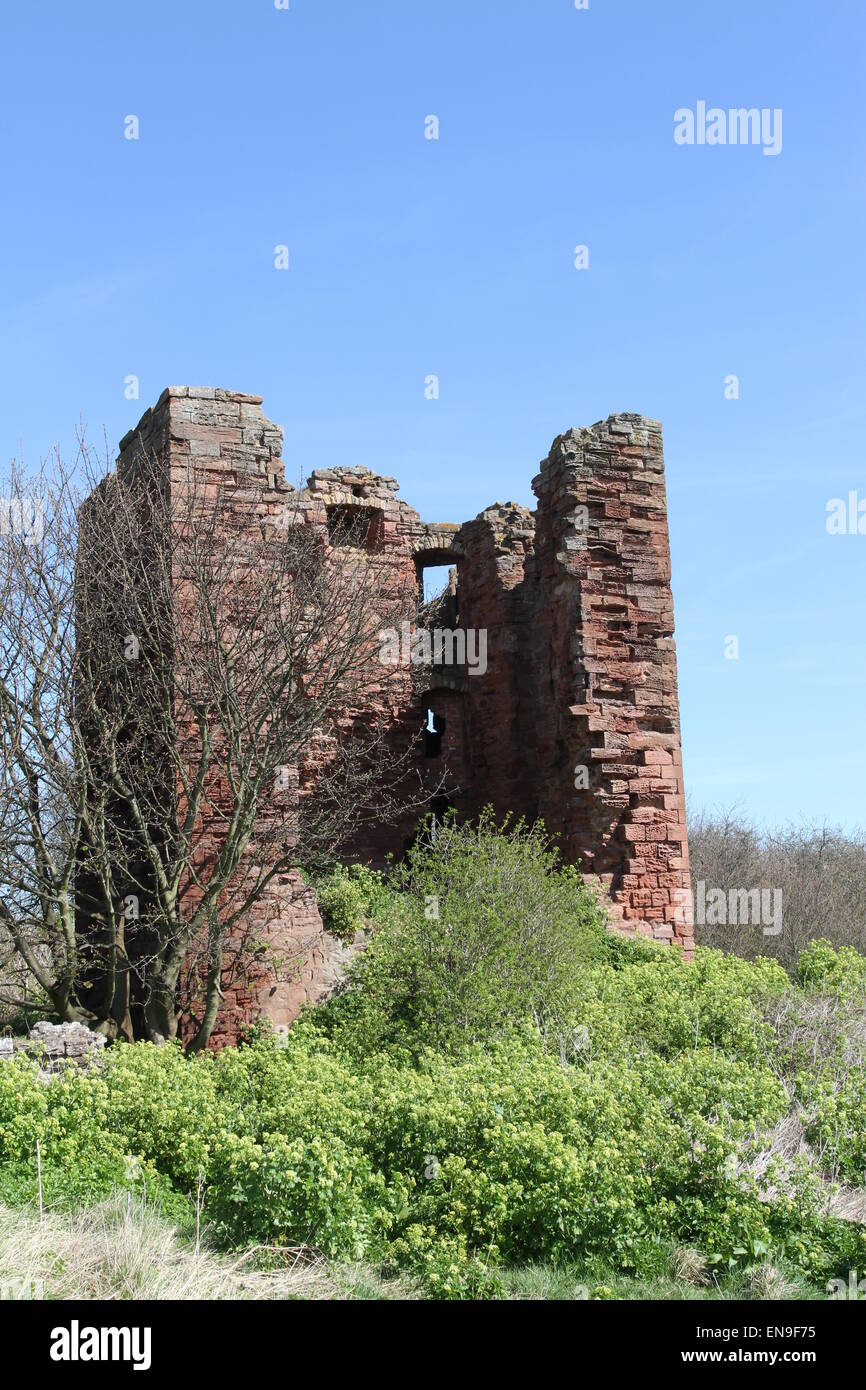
575,719
54,1044
612,694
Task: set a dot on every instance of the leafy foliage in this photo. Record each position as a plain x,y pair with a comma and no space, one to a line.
347,897
564,1097
841,971
483,930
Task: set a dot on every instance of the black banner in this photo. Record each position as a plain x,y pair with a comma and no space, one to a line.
267,1339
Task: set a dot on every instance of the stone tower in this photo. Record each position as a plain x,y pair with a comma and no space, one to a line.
572,715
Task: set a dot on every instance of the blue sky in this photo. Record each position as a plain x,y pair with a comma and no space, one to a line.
261,127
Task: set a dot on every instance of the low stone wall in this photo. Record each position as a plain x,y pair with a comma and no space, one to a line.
55,1044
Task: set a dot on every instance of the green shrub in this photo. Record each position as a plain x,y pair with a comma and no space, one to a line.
294,1191
485,929
842,971
165,1109
83,1154
348,896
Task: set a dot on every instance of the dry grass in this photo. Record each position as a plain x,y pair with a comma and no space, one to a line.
767,1282
689,1266
816,1028
124,1249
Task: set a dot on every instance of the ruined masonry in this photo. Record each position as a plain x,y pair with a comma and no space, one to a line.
576,718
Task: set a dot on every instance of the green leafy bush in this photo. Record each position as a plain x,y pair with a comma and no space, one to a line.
842,971
83,1154
484,929
504,1085
295,1191
347,897
165,1109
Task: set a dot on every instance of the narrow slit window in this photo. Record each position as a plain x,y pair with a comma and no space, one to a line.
434,729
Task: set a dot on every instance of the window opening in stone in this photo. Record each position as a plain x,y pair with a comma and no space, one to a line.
356,528
434,579
434,728
438,593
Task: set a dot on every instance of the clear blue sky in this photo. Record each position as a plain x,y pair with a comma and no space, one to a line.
408,257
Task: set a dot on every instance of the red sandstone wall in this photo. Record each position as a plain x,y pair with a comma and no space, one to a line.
497,594
222,443
581,670
605,635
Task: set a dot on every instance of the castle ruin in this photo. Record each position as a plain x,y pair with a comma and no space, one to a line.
564,705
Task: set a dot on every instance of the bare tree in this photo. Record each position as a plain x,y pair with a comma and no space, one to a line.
209,715
46,815
818,870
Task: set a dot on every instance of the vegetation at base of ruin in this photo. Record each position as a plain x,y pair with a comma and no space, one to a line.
480,928
126,1248
647,1125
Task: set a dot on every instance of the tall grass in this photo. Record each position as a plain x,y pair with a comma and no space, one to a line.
125,1249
